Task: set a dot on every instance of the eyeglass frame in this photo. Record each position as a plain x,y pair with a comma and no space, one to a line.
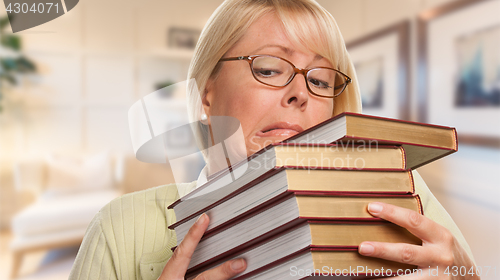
304,72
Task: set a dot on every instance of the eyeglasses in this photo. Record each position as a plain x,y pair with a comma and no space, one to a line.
278,72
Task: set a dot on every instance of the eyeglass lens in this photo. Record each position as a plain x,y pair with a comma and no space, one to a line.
277,72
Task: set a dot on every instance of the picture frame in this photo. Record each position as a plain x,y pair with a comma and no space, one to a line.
381,60
183,38
455,62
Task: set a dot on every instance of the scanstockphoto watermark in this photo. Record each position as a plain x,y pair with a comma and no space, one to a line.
381,272
351,271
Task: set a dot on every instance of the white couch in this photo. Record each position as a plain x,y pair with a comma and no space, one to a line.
70,190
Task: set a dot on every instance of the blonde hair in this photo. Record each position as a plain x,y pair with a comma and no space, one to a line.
306,24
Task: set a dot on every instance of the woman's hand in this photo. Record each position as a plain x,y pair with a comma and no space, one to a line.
176,267
438,257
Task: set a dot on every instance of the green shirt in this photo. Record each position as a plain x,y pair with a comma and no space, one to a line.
129,238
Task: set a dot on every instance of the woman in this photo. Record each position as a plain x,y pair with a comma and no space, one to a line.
129,238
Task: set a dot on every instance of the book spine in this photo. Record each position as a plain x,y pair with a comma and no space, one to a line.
419,203
412,181
455,140
403,155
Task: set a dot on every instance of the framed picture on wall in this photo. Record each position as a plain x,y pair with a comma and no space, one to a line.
381,60
459,69
183,38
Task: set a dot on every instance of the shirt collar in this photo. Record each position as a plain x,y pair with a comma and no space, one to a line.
202,178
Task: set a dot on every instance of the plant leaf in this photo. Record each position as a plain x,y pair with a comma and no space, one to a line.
9,64
25,65
4,21
9,78
11,42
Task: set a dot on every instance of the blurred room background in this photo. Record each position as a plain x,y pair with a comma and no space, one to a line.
65,144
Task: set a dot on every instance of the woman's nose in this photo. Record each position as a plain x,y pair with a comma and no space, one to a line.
297,93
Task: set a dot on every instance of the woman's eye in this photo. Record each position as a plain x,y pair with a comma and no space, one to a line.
319,83
266,73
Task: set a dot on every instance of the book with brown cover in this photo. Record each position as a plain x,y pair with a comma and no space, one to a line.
347,264
329,181
284,212
422,142
339,239
311,157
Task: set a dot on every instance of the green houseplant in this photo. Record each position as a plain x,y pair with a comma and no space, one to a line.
12,62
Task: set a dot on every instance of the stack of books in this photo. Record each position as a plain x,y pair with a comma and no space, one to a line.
299,208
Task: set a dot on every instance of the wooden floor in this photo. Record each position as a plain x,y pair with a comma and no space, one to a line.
5,258
45,265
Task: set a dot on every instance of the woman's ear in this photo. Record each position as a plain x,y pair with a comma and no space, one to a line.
206,100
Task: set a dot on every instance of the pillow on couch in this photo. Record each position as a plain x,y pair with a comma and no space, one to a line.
66,175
